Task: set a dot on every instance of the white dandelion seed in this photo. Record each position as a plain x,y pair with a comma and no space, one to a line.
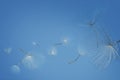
32,61
15,69
63,42
92,24
29,62
53,51
36,44
80,53
8,50
107,52
74,60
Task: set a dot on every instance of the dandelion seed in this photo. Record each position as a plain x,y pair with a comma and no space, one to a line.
36,44
107,52
31,61
63,42
28,60
53,51
8,50
79,55
73,61
24,52
93,26
15,69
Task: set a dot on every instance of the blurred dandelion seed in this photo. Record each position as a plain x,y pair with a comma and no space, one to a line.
53,51
31,61
93,26
107,52
15,69
24,52
8,50
82,53
79,55
28,61
36,44
73,61
63,42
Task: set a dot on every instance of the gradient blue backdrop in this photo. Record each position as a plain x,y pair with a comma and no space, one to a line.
48,21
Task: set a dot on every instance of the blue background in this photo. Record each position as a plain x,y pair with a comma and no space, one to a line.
49,21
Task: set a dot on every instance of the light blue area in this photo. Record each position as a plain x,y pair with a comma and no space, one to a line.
48,22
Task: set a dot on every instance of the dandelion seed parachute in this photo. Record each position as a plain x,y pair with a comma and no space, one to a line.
92,25
63,42
15,69
106,52
8,50
53,51
36,44
76,59
73,61
31,61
